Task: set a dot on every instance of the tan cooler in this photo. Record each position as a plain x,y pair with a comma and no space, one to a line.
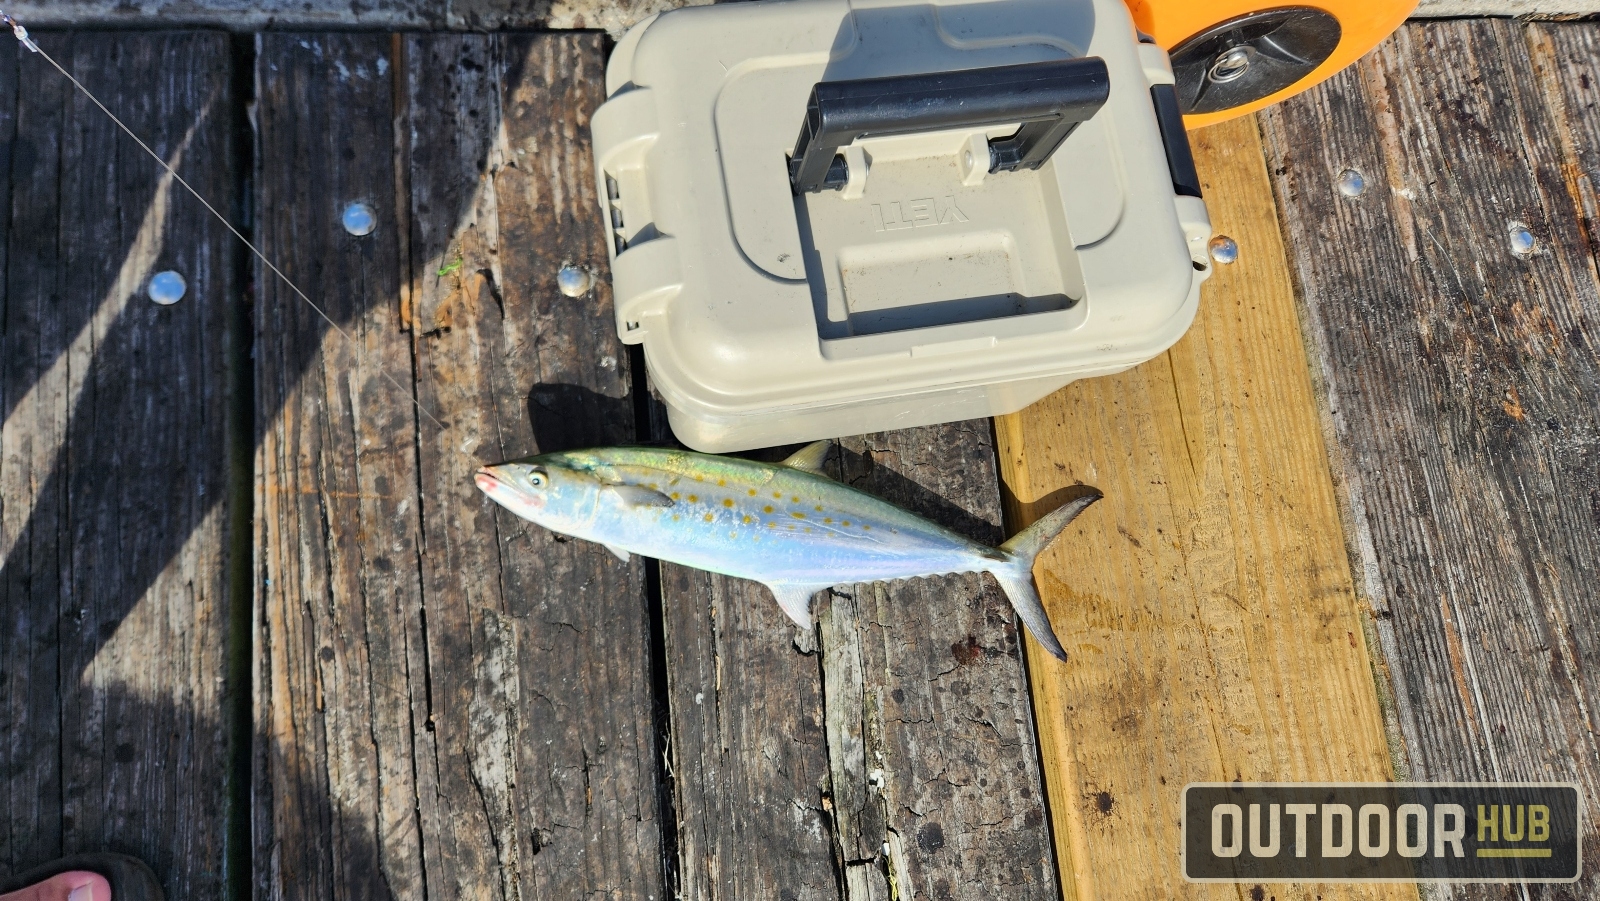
833,217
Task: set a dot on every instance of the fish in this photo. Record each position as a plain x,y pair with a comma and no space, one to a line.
786,525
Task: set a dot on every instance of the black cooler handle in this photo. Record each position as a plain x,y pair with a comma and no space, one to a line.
1050,99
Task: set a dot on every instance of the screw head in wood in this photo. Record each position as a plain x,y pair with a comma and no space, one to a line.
167,288
1351,184
574,281
1522,242
1224,249
359,219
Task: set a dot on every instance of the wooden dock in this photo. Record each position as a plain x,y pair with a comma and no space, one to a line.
258,627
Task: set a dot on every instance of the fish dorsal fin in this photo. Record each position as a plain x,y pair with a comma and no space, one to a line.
640,496
811,457
795,600
621,554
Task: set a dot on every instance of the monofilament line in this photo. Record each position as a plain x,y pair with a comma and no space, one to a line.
22,36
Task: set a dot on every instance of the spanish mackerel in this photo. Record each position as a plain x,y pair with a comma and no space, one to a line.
785,525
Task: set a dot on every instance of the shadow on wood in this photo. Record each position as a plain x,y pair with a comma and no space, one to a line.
449,700
472,692
114,449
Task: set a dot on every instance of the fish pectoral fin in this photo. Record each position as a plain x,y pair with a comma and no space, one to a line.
795,600
811,457
640,496
621,554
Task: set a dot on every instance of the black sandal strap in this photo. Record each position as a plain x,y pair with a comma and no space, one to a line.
130,879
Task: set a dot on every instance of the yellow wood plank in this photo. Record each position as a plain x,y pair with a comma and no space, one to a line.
1206,604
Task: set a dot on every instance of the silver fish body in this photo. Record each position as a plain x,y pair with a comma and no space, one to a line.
785,525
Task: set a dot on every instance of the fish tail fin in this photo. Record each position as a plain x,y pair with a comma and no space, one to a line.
1016,577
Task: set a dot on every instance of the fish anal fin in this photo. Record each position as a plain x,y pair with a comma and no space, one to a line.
640,496
811,457
795,600
621,554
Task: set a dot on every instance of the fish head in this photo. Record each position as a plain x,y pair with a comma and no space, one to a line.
545,490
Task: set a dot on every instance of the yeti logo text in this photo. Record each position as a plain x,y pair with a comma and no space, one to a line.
917,213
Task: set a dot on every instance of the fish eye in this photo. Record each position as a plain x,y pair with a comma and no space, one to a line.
537,478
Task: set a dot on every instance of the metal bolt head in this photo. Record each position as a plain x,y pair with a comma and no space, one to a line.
359,219
574,281
167,288
1224,249
1232,64
1351,184
1522,242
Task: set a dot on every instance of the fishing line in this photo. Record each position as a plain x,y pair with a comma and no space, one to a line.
21,35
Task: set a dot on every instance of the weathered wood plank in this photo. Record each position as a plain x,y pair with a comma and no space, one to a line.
610,15
1449,9
943,674
339,642
894,743
613,16
113,458
543,737
1206,604
1462,380
452,702
749,754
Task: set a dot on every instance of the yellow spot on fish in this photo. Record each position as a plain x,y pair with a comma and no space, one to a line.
676,517
693,499
777,494
865,527
791,527
827,519
798,515
767,509
652,486
819,508
808,528
747,520
722,481
676,495
846,522
708,517
796,498
727,502
771,524
752,492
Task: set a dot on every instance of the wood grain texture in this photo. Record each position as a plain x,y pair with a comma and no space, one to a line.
339,643
113,458
613,16
452,703
749,754
1206,604
948,718
890,749
1462,379
542,737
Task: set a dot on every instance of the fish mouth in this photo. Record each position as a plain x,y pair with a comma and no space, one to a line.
487,481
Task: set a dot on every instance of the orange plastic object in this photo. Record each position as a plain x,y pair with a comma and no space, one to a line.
1364,23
